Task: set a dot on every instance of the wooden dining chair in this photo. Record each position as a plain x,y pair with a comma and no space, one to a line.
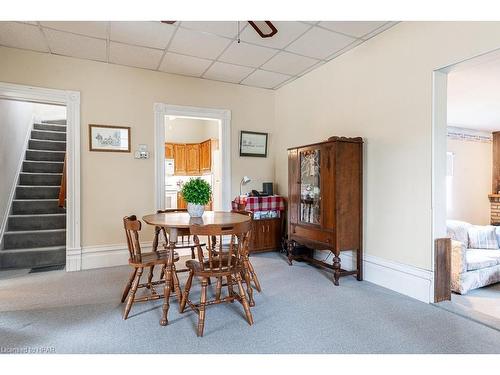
218,263
138,261
248,267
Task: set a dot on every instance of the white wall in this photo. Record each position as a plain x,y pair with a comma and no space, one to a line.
471,181
382,91
189,130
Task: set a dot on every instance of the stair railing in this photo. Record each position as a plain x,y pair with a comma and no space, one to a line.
62,188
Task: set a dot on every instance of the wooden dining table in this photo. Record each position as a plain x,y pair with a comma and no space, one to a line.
172,222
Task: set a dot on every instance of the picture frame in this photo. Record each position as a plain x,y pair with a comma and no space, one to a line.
109,138
253,144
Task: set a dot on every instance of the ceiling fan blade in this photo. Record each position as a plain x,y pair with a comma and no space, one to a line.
169,22
265,29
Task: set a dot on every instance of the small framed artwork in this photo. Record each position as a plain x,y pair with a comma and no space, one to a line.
253,144
109,138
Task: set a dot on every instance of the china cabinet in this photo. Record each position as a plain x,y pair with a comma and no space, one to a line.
325,201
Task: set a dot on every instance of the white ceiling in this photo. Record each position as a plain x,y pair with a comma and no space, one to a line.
474,95
203,49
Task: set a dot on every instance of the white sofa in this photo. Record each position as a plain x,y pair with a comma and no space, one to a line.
471,268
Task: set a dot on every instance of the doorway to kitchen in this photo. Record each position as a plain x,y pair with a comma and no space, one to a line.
191,142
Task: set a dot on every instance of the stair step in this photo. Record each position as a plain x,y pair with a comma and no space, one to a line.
37,192
59,122
51,127
34,238
48,135
36,206
44,155
43,166
37,144
36,222
45,179
33,257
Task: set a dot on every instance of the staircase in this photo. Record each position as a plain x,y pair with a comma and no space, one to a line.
35,235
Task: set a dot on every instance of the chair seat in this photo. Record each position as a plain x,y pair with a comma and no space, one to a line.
153,258
195,266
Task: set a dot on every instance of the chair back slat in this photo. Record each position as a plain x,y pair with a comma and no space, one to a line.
221,259
132,227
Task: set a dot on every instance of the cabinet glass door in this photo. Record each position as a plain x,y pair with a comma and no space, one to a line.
310,194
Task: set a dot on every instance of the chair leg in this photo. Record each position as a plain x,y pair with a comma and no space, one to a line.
150,276
230,290
177,288
244,301
193,256
187,288
218,288
254,277
131,296
129,285
166,302
162,273
203,302
246,275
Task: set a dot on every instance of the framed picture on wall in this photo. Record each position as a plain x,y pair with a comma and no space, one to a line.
109,138
253,144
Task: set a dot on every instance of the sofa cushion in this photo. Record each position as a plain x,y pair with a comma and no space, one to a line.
482,258
457,230
482,237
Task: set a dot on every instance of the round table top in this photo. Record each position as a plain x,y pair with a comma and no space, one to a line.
183,220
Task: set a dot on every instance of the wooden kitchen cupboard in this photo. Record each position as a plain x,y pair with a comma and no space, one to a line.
179,158
206,156
169,151
193,159
325,201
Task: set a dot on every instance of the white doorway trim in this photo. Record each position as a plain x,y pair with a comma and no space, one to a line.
70,99
161,110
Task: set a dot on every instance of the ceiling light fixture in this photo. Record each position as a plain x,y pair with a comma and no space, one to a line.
265,29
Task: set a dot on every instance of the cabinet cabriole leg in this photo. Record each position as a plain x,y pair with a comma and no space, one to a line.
336,270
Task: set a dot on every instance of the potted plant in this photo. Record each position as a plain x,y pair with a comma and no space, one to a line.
197,193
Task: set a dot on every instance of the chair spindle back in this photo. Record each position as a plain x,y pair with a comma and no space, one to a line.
132,227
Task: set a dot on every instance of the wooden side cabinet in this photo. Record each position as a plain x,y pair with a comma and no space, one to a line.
193,159
266,235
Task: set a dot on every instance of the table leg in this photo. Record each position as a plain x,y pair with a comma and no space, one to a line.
168,276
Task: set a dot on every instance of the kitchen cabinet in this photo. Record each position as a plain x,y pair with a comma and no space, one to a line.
206,156
179,158
169,151
193,159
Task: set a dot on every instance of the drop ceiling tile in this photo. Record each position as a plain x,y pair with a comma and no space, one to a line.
247,54
73,45
267,80
223,28
287,32
182,64
96,29
289,63
139,57
319,43
197,44
147,34
20,35
354,28
386,26
227,72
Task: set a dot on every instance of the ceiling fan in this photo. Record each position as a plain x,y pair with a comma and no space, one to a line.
265,29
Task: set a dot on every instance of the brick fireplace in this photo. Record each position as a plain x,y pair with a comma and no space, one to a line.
494,209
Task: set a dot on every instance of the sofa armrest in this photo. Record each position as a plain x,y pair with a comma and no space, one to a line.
458,258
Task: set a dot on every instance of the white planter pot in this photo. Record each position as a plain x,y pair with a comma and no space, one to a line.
195,210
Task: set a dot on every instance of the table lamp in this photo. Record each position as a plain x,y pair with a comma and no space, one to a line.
245,180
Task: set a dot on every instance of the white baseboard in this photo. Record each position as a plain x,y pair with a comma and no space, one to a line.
101,256
402,278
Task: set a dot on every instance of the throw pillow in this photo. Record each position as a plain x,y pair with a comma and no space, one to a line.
482,237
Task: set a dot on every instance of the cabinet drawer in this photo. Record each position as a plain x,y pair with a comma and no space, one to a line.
312,234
